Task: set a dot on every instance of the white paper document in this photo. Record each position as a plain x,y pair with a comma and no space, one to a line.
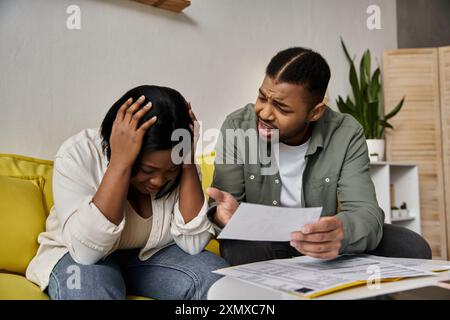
265,223
310,277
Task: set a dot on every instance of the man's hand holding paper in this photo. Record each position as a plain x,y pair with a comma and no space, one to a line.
308,233
265,223
320,240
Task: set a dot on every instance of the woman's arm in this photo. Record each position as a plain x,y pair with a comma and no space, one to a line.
191,198
112,192
193,236
87,233
191,193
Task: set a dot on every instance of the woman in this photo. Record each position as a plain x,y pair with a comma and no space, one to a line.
126,218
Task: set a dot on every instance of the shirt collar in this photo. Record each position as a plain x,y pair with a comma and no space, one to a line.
317,136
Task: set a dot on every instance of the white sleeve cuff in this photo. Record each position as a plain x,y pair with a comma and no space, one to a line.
197,225
90,227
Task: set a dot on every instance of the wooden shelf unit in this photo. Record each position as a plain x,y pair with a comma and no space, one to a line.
421,131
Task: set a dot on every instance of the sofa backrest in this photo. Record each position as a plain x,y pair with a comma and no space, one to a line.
18,166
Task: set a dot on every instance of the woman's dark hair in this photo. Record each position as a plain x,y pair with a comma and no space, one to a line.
172,113
301,66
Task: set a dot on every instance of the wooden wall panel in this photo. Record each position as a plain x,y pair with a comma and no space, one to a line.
444,85
417,137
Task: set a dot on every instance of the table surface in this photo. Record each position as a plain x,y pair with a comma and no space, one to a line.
228,288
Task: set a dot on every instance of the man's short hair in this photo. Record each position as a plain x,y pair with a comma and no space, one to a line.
304,67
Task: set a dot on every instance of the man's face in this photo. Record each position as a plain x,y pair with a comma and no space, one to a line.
285,107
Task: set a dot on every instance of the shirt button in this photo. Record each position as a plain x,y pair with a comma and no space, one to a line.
327,180
252,177
275,202
277,181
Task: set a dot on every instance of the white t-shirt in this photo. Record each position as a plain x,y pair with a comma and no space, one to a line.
291,164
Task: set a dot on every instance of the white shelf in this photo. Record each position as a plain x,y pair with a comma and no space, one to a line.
400,164
405,179
402,219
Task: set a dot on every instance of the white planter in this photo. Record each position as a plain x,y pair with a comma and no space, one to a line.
395,214
399,214
376,149
404,213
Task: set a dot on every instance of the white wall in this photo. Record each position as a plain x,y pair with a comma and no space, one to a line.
55,82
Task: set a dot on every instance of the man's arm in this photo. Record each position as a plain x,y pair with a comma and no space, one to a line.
359,225
360,214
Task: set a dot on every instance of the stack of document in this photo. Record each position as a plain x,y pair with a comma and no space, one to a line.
310,277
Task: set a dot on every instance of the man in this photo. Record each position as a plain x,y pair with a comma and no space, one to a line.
323,162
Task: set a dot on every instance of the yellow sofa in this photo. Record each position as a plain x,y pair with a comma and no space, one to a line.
25,200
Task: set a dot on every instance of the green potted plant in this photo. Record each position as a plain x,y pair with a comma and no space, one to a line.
365,106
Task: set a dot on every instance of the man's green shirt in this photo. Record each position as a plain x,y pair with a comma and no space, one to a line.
336,176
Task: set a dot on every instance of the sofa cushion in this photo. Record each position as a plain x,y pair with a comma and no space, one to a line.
16,287
16,165
22,218
206,163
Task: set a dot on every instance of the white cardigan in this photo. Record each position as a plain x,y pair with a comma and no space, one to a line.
77,226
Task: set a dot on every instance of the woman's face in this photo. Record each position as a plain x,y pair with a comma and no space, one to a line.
154,171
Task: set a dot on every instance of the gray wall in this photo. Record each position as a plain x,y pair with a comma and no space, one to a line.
423,23
55,82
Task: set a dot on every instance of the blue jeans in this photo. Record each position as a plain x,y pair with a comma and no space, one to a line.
171,274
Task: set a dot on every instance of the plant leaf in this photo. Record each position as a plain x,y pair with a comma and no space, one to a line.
367,63
346,51
355,113
341,105
359,108
362,74
372,119
364,71
395,110
386,124
375,86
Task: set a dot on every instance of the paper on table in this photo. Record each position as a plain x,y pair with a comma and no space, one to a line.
265,223
418,264
310,277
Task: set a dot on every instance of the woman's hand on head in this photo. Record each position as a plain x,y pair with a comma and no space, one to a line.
126,136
